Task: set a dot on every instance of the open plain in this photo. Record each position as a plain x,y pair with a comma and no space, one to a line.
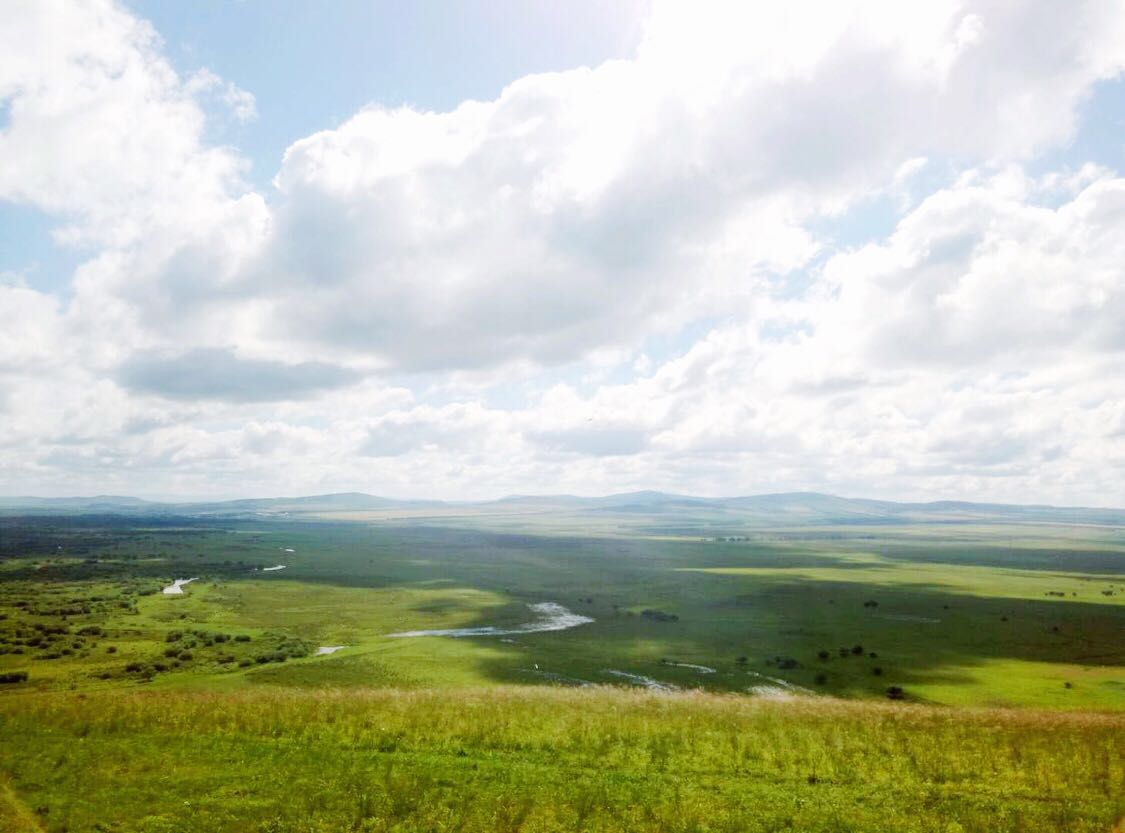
649,663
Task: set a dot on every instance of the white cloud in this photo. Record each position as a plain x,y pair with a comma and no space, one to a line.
241,103
587,208
101,131
981,271
561,229
29,328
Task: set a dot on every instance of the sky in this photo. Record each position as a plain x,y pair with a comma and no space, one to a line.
462,250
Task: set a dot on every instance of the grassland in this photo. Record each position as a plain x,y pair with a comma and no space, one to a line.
977,617
549,760
1020,627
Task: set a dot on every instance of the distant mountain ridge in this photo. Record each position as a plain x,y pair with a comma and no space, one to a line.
81,502
758,510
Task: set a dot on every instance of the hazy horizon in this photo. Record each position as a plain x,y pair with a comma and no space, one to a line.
457,252
205,499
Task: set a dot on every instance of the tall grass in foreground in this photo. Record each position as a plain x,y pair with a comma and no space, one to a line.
540,759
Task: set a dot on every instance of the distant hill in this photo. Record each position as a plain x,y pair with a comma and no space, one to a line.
97,503
782,509
817,508
339,502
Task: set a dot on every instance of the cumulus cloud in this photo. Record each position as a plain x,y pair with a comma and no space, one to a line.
579,209
101,131
985,270
241,103
29,327
220,374
597,440
420,430
649,230
586,208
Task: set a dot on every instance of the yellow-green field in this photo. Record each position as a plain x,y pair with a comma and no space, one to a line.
547,759
769,660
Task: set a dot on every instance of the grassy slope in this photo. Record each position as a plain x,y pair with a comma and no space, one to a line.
552,759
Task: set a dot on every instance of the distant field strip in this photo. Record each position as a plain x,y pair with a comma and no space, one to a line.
985,582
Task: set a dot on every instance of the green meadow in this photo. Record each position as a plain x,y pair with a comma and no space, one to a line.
547,759
911,676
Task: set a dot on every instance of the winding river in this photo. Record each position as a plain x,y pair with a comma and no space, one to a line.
551,617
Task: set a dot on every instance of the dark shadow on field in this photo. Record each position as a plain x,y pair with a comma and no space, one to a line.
920,635
778,624
1023,558
722,617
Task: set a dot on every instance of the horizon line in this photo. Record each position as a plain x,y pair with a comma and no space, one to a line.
190,501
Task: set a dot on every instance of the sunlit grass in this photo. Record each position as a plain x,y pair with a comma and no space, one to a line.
984,582
551,759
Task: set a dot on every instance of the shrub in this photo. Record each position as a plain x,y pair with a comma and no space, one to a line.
13,677
895,693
